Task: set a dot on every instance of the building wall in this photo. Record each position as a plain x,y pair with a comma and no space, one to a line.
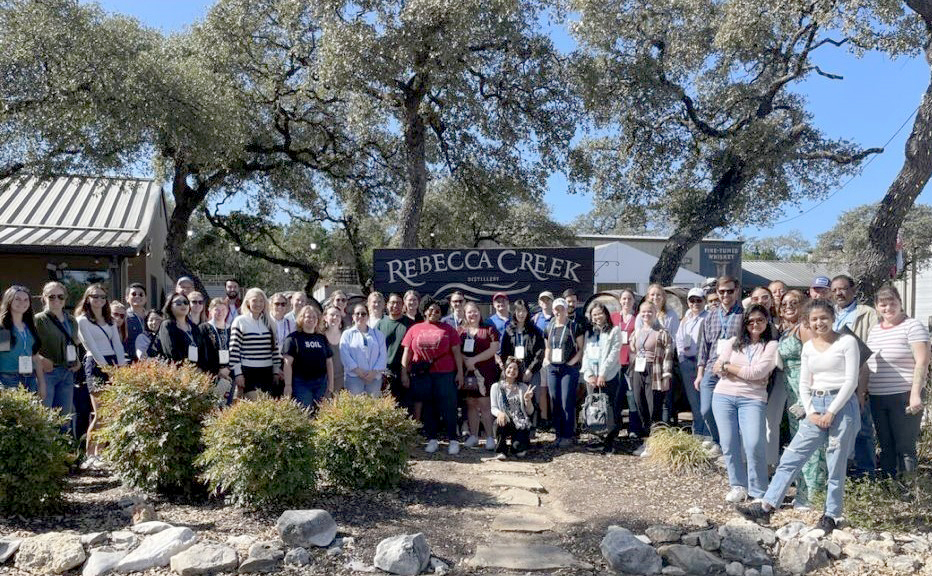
692,260
33,270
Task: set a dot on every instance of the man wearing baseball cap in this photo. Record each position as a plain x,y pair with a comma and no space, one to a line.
820,288
687,349
502,312
542,318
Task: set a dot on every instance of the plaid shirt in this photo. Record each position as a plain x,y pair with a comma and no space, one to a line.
662,367
717,326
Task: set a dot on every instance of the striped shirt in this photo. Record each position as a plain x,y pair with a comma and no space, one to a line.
892,364
252,345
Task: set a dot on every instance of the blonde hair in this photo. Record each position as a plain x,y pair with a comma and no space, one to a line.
47,289
264,315
317,315
663,306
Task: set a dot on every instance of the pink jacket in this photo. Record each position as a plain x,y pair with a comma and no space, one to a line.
755,362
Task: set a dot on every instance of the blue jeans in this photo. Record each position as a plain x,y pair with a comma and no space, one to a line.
357,386
741,424
14,380
865,448
706,389
562,383
308,392
839,441
59,391
688,376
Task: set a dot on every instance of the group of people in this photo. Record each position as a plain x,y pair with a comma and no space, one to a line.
838,370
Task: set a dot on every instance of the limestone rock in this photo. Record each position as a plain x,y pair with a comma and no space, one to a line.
831,548
693,561
710,540
514,481
439,566
865,554
157,550
749,530
143,512
625,553
123,540
94,539
519,497
8,547
522,557
842,537
802,555
690,539
149,528
904,564
306,528
752,572
673,571
766,570
663,534
244,541
51,553
263,557
102,561
205,560
734,569
791,530
740,542
522,522
406,555
297,557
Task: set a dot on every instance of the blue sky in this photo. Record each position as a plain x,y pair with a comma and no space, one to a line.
867,107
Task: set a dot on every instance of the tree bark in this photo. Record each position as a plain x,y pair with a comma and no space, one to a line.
880,257
186,202
415,168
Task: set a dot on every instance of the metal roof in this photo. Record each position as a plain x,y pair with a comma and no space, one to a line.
76,214
793,274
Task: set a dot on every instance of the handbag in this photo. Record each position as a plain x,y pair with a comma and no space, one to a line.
474,382
597,413
420,368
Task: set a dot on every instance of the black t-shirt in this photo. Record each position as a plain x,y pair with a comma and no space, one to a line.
565,337
310,353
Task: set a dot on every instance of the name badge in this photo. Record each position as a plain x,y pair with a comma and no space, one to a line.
624,337
71,353
192,353
640,364
720,345
224,356
556,356
25,364
519,352
469,344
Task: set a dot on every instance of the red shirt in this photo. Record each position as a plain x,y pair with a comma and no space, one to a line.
486,337
432,343
628,327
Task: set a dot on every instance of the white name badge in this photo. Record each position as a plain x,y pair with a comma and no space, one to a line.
624,338
519,352
640,364
71,353
25,364
469,345
720,345
224,356
556,356
192,353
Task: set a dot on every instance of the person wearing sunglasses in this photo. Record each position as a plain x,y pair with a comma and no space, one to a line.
101,339
179,339
278,310
688,336
118,313
198,312
58,334
720,325
457,315
135,317
362,351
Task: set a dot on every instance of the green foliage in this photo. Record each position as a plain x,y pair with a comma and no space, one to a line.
898,505
261,453
678,450
364,442
34,454
792,247
153,415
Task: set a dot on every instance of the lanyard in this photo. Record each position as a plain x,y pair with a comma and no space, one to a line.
22,336
560,339
221,344
749,352
519,338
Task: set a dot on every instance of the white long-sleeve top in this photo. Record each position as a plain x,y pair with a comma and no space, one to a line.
101,341
834,369
601,357
362,350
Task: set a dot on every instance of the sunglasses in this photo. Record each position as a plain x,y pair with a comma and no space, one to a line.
118,315
360,313
750,321
457,301
180,303
201,302
56,296
277,304
137,294
696,300
724,291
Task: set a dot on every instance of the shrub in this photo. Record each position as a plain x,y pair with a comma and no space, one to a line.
153,415
903,505
678,450
260,453
364,442
34,456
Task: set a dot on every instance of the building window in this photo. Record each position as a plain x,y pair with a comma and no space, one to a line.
77,281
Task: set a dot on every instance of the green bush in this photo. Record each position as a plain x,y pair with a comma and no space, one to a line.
34,455
678,450
153,415
364,442
897,505
260,453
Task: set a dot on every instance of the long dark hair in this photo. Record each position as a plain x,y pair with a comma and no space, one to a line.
744,339
84,305
593,329
6,316
514,318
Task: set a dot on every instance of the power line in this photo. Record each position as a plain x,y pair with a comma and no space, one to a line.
849,180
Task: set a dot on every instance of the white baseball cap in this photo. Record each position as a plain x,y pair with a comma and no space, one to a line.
560,302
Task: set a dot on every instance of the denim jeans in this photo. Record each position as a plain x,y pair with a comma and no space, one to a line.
897,432
59,391
562,383
706,389
741,425
839,441
15,380
688,376
308,392
865,446
437,391
357,386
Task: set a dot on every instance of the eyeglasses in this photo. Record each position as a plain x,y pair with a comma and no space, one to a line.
118,315
201,302
724,291
360,313
789,304
56,296
180,303
276,304
339,299
750,321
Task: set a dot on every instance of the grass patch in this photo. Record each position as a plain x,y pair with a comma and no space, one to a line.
895,505
678,450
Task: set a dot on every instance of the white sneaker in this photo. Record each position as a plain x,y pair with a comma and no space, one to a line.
707,444
490,443
471,442
432,446
454,448
90,463
500,456
736,495
640,450
714,450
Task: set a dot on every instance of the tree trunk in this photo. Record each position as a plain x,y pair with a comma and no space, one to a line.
186,202
415,168
880,257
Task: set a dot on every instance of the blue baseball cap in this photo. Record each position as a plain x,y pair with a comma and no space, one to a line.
821,282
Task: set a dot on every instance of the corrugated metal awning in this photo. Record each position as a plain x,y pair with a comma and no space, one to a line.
793,274
76,214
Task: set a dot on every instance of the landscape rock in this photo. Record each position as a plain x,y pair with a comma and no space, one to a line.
917,547
842,537
149,528
334,551
791,530
693,561
673,571
123,540
519,497
103,561
865,554
831,548
8,547
849,566
625,553
802,555
522,557
766,570
94,539
306,528
357,566
205,560
698,520
522,522
663,534
298,557
888,547
752,572
514,481
904,564
734,569
710,540
406,555
439,566
690,539
244,541
143,512
739,527
263,557
740,542
157,550
51,553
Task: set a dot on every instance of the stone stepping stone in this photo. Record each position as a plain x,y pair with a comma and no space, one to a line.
521,522
522,557
519,497
500,467
512,481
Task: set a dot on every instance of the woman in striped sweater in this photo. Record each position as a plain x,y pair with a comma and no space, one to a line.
254,355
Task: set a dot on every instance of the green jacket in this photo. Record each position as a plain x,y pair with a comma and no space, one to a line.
54,343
